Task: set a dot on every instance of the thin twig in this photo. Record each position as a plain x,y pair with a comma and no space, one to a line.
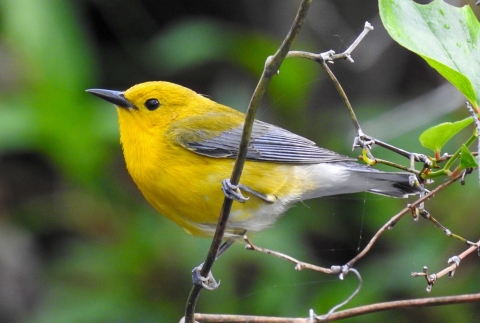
398,216
299,265
271,68
357,311
361,139
416,157
392,164
410,303
330,55
302,265
454,263
428,216
342,93
346,54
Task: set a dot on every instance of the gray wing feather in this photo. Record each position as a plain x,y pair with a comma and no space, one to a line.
268,143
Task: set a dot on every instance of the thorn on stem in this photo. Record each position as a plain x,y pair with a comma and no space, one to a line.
343,270
311,313
392,224
327,56
431,281
268,60
299,266
368,26
429,288
453,260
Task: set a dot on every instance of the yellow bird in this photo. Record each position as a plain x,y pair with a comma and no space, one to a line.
179,148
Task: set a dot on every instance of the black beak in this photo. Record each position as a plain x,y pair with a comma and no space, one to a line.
115,97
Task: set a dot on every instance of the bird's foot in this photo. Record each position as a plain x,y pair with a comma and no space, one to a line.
233,191
208,282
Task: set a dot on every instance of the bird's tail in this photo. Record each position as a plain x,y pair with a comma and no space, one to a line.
393,184
351,177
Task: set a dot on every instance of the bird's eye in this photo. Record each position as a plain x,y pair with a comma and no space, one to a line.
152,104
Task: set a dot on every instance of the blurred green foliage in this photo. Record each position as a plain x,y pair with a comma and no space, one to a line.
53,65
98,253
203,41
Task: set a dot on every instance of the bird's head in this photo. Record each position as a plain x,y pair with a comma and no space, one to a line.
153,104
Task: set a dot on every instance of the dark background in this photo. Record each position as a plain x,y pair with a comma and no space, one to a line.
80,244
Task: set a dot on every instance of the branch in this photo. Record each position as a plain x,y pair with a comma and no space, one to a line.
357,311
345,99
299,265
454,263
330,55
271,67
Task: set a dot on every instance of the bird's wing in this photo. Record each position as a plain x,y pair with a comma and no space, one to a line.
268,143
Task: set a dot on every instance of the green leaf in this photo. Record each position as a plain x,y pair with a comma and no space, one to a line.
435,137
467,160
447,37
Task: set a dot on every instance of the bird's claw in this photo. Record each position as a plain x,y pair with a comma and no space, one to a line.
208,282
232,191
362,141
